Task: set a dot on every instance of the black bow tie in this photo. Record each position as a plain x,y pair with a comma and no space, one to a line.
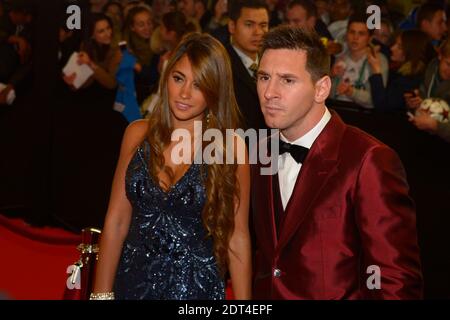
299,153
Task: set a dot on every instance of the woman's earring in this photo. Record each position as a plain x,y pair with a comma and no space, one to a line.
208,116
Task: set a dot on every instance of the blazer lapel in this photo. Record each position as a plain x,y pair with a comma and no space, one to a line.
240,70
318,167
248,80
263,208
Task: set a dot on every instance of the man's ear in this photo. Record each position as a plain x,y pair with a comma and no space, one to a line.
231,27
322,89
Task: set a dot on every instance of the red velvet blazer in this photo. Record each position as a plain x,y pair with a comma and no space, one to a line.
349,210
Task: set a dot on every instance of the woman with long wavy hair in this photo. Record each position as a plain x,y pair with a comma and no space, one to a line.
174,231
100,54
137,33
410,54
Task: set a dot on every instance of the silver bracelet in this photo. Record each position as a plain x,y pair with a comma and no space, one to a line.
102,296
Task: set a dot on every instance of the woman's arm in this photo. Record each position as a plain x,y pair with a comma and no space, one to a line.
377,87
240,265
424,121
118,216
107,78
378,90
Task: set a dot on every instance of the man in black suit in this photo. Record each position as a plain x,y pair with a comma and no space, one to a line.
249,21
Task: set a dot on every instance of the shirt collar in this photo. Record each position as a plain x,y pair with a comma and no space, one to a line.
308,139
246,60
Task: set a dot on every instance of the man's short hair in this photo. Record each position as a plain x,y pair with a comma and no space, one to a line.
359,17
285,37
235,7
427,12
308,5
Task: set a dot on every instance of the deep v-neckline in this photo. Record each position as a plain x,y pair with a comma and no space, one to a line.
173,186
156,183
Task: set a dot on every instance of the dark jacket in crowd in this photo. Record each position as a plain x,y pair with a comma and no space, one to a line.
391,97
433,85
245,92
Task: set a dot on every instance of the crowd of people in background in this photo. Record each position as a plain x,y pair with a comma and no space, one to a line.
393,68
15,49
385,73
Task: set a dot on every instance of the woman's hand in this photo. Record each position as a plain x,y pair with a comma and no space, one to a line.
70,79
344,88
413,101
334,47
338,69
423,121
83,58
374,59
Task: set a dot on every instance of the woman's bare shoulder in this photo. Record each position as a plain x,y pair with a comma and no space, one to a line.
135,134
138,126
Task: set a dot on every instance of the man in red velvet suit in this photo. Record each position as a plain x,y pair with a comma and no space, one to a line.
335,221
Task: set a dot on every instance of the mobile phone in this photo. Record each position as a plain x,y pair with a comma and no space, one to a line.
410,115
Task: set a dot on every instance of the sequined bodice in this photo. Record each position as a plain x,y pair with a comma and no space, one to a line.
166,254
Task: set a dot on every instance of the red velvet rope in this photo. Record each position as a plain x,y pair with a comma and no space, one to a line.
49,235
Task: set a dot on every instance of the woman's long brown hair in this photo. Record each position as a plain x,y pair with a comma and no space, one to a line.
418,52
212,71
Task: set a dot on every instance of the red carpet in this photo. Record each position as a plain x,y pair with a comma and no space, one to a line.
34,260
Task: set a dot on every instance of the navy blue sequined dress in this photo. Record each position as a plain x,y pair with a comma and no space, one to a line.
166,254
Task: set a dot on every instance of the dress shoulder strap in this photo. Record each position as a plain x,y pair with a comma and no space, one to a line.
144,152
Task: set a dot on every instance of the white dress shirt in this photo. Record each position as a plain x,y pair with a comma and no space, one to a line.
246,60
288,168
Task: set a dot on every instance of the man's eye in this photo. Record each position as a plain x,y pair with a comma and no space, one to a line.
287,81
263,78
